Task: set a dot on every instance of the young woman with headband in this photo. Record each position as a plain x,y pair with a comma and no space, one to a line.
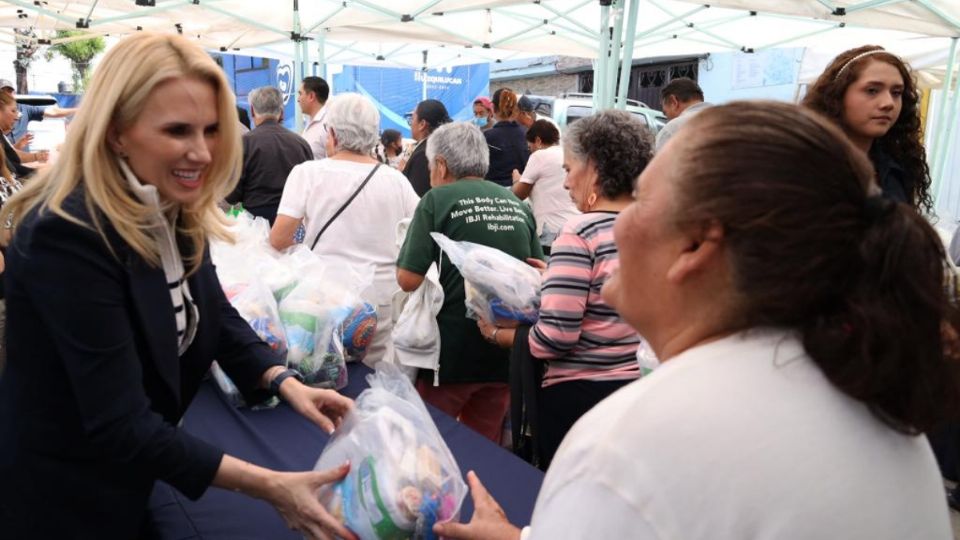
871,95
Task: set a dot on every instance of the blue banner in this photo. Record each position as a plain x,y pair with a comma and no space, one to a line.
396,92
246,73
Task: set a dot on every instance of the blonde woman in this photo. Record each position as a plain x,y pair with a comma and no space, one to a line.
115,312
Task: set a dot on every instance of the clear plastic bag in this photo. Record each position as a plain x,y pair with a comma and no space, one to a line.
498,287
403,478
226,386
327,322
255,303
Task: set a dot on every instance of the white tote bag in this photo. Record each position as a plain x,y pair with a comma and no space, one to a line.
416,334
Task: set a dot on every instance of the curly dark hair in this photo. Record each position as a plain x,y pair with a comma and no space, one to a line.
617,144
904,140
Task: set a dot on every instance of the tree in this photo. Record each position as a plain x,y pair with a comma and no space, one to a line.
80,52
27,47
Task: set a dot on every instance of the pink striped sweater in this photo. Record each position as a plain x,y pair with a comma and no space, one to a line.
578,334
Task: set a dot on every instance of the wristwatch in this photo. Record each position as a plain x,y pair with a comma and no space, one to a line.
282,376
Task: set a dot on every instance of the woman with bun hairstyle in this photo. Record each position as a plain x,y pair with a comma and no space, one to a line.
871,95
506,139
797,315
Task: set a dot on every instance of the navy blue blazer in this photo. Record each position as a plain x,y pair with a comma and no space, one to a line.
94,388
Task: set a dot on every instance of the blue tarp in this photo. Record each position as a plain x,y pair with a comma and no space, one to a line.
397,91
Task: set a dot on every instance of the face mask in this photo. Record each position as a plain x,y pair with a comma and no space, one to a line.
479,121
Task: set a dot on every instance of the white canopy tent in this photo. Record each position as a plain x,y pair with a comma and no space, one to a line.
439,33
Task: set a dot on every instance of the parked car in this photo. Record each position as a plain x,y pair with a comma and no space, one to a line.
568,108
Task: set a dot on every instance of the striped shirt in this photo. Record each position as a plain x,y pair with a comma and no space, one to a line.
578,334
163,232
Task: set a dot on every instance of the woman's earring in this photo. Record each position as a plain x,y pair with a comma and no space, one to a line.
591,200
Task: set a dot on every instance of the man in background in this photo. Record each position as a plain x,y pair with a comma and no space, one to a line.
682,99
312,96
30,113
270,151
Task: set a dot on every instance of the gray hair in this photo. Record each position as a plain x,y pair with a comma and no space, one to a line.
266,101
356,122
462,146
616,143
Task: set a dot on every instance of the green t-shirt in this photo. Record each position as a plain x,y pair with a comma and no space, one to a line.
481,212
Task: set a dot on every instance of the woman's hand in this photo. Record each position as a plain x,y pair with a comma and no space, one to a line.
488,522
486,329
541,266
516,176
325,408
294,495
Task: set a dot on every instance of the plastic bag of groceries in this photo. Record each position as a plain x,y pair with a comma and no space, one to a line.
327,322
255,303
403,478
498,287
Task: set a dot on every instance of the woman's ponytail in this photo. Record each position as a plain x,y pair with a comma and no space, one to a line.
882,342
505,104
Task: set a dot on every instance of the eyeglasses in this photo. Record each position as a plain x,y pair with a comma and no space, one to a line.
409,118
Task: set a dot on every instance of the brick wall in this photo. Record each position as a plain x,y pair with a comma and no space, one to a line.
547,85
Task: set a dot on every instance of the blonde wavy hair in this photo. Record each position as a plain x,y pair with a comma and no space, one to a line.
121,84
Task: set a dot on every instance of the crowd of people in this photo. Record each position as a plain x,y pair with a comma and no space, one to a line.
773,259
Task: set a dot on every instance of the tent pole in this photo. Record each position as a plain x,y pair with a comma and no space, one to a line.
615,44
627,62
322,54
942,107
297,63
600,72
944,147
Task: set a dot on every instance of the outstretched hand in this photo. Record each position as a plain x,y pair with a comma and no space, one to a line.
294,495
489,521
325,408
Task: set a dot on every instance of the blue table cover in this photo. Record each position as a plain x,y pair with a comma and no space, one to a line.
283,440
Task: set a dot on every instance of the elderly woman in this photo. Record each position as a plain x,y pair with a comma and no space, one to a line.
590,352
350,204
104,358
798,316
471,383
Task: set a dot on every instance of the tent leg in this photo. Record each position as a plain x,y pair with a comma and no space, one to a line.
297,63
600,71
610,88
944,146
627,61
322,55
942,108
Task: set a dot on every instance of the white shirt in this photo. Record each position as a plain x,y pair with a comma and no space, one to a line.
674,125
739,438
551,203
366,231
316,133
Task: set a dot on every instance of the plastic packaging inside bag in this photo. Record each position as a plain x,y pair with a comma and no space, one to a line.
255,303
499,288
403,477
327,322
